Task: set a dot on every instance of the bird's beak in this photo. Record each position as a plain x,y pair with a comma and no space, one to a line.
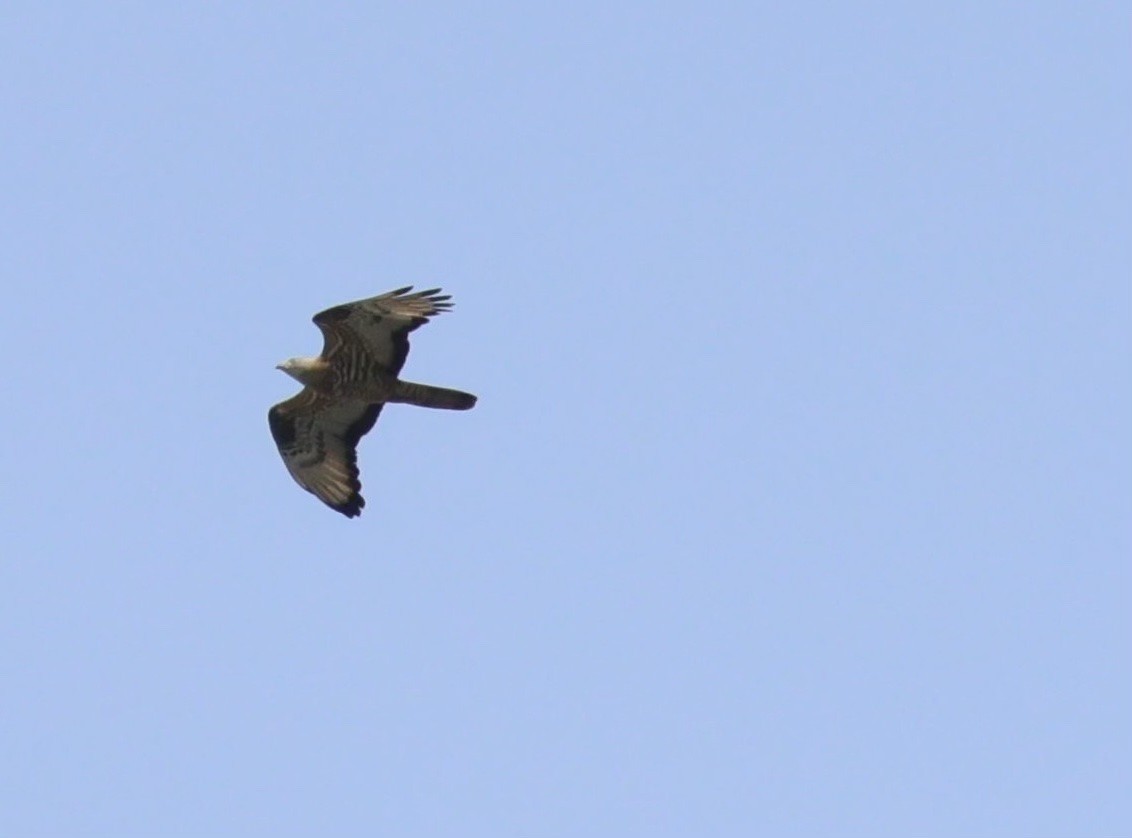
278,366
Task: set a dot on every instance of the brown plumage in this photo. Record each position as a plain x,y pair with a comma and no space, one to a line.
365,344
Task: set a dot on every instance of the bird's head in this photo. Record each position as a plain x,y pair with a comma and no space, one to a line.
298,368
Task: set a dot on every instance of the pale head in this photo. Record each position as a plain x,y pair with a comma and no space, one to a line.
303,370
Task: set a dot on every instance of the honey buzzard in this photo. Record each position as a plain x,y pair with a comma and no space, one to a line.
365,344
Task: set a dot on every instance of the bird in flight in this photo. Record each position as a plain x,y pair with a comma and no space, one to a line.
365,344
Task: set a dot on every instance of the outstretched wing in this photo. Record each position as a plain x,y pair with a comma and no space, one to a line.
381,325
317,438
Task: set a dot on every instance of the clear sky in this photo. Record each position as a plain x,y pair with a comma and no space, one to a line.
798,499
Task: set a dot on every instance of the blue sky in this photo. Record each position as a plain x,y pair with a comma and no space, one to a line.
797,500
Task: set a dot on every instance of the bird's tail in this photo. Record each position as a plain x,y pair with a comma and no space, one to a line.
425,395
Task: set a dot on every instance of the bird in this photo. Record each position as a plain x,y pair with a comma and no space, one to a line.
365,344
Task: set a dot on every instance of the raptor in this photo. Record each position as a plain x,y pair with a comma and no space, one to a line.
365,344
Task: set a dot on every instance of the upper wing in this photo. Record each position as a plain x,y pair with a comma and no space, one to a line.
318,439
380,324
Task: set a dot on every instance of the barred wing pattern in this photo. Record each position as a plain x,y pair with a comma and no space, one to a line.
318,440
380,325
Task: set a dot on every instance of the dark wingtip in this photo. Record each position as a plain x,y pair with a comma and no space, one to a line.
351,508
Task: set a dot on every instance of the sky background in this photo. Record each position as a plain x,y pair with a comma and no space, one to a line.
798,499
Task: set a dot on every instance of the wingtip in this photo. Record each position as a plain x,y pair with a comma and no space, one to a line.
351,508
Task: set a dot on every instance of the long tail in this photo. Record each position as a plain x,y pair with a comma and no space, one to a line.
425,395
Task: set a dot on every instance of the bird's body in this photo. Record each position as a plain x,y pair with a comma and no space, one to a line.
344,389
350,378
